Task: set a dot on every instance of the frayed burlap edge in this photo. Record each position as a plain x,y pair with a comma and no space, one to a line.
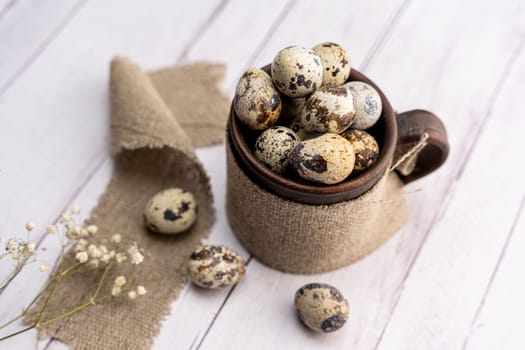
156,121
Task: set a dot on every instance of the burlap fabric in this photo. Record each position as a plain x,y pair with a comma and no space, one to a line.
301,238
156,120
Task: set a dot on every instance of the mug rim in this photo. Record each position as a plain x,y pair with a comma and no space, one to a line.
312,193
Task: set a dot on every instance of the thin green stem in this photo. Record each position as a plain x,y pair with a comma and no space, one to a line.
17,333
104,274
12,321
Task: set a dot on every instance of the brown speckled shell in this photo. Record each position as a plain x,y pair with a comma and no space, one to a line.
297,71
365,147
336,63
326,159
257,103
321,307
214,266
171,211
273,146
297,127
329,109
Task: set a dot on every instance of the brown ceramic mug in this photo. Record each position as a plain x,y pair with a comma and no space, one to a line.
392,131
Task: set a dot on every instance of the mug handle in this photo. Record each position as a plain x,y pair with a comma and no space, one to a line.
411,125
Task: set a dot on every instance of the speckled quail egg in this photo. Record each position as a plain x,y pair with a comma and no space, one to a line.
367,103
326,159
365,147
257,103
297,127
297,71
291,106
329,109
336,63
321,307
273,145
214,266
171,211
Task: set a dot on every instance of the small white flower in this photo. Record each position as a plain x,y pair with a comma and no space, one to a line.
105,258
11,245
141,290
115,290
30,226
15,255
103,249
44,267
65,218
93,251
75,209
31,247
116,238
81,257
120,281
81,245
92,229
51,229
83,232
132,295
135,255
120,257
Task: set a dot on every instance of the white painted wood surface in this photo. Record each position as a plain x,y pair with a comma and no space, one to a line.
450,279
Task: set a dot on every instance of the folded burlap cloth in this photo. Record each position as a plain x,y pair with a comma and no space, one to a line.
157,119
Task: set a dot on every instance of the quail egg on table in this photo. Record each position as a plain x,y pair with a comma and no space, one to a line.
297,71
367,103
321,307
171,211
214,266
257,103
329,109
273,146
325,159
365,147
336,63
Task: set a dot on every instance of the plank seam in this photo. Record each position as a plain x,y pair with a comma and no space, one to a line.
7,7
510,235
509,66
383,37
44,45
201,29
230,292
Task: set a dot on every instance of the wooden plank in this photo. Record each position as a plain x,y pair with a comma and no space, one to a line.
411,78
498,321
26,29
69,127
213,158
447,282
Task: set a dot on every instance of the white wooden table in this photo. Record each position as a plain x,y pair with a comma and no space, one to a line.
451,279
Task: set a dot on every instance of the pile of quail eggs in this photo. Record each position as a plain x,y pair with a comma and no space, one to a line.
311,121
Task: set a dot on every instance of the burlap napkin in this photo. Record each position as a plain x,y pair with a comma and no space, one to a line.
156,120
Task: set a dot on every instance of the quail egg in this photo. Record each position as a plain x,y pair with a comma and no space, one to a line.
335,61
367,103
329,109
214,266
297,71
365,147
257,103
297,127
321,307
171,211
325,159
273,145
